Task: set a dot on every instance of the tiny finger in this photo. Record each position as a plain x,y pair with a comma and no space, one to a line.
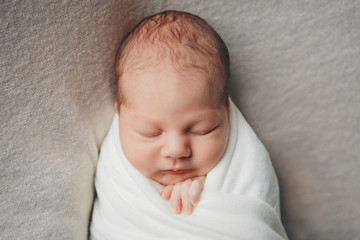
187,206
166,192
175,199
196,188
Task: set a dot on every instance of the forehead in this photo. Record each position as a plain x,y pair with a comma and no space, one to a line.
161,95
164,77
157,70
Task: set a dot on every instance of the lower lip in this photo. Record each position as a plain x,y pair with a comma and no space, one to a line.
176,172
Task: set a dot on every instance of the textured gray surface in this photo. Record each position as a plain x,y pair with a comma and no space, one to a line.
53,78
295,76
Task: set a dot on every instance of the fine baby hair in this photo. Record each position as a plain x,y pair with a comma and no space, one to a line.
182,38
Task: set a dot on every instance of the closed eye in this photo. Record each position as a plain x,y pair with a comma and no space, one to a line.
150,135
205,131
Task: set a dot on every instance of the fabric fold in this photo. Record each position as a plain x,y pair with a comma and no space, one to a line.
240,198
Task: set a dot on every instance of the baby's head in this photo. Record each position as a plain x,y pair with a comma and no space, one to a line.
181,39
172,72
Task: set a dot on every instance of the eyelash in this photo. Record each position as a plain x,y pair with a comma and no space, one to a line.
150,135
201,133
198,133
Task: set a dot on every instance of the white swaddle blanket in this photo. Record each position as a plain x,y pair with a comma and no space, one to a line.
240,199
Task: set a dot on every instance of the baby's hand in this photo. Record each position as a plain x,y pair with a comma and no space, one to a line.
184,195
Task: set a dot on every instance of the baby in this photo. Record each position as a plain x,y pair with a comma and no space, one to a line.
172,72
177,133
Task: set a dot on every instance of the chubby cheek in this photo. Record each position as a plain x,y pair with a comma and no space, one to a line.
209,152
211,149
141,156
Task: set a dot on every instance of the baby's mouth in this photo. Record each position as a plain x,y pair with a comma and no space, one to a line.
176,171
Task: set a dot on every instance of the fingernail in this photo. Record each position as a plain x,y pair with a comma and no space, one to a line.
187,210
177,210
195,201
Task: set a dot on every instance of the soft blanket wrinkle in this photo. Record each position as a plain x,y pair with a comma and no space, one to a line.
240,198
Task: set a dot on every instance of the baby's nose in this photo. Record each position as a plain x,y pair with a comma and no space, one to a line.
176,147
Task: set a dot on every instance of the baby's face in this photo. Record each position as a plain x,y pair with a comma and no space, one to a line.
171,129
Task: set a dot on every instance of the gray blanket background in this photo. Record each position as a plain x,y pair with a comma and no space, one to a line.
295,76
